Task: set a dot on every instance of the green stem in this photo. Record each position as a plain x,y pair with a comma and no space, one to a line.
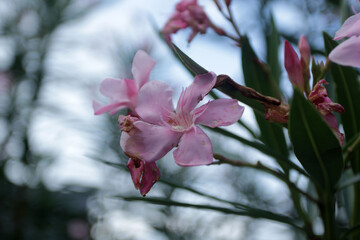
232,21
256,214
252,133
262,148
294,190
355,219
327,212
351,149
354,229
261,167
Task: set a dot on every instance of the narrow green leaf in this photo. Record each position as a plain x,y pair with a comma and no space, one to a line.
314,143
272,57
348,92
351,231
348,182
255,213
189,63
257,76
280,158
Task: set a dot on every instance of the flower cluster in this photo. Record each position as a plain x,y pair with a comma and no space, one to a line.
154,127
187,14
299,75
348,52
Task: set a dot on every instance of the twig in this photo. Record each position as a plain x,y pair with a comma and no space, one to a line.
246,91
231,19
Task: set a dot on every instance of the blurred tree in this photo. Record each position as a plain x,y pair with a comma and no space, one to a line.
28,210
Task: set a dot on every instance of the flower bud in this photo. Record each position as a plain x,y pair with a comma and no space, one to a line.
304,49
228,2
293,66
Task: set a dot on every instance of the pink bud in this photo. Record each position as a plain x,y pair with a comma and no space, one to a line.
293,66
304,49
228,2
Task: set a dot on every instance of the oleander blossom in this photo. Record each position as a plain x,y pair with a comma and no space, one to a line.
187,14
347,53
123,93
325,106
159,128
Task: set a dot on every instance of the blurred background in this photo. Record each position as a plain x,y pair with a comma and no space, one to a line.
62,171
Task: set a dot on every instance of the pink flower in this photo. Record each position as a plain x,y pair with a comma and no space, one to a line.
161,128
351,27
123,93
293,66
348,52
325,106
187,14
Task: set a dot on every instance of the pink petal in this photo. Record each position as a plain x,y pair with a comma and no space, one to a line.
117,89
143,174
193,94
332,122
113,108
148,142
150,176
136,169
122,93
184,4
347,53
141,67
351,27
325,106
293,66
155,102
220,112
194,149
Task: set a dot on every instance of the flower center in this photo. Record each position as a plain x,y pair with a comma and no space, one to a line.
181,121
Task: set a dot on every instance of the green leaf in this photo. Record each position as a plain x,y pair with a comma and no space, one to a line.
348,182
314,143
251,212
348,92
272,57
257,76
189,63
